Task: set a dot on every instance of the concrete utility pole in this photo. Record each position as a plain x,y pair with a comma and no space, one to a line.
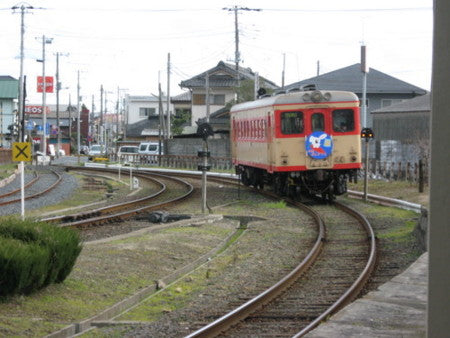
168,97
364,70
100,127
58,88
44,96
23,7
237,56
78,116
207,97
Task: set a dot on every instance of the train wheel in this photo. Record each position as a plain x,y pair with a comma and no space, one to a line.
244,178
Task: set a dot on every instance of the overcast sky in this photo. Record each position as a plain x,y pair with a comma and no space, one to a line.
125,43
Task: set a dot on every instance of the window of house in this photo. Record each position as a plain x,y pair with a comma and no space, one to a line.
388,102
317,122
214,99
343,120
291,122
218,100
198,99
144,112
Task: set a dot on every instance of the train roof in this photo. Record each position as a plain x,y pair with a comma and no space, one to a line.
298,97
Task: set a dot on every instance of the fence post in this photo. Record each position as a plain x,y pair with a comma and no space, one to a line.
421,175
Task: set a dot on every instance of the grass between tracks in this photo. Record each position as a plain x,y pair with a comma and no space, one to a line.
407,191
7,170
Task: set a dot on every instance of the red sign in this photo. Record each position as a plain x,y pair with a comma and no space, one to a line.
35,109
48,84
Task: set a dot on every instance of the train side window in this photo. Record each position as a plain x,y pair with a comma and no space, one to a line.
317,122
343,120
291,122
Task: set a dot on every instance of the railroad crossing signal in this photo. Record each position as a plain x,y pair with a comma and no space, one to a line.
21,151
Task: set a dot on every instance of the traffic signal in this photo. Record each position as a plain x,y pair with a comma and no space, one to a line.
367,133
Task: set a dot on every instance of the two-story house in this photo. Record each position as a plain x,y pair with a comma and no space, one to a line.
222,82
142,116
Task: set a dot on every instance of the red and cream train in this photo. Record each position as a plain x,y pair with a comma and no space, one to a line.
298,142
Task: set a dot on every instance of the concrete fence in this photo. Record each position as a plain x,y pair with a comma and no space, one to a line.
406,171
5,156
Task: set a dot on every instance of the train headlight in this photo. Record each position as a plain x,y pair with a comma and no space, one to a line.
317,96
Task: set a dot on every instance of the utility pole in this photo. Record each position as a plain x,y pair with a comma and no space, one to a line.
78,116
168,97
364,70
58,88
207,97
44,96
237,56
23,7
256,88
100,127
91,130
70,123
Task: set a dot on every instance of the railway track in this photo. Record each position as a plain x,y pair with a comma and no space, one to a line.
28,185
294,305
123,210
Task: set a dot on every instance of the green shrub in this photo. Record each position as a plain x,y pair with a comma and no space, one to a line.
35,254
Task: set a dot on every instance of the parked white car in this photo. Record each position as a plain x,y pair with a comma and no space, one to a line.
128,154
149,148
96,150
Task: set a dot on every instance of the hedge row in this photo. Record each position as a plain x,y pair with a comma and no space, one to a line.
34,255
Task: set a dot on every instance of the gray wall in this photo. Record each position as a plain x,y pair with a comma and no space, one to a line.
401,137
190,146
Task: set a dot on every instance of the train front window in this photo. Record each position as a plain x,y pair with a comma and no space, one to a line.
317,122
291,122
343,120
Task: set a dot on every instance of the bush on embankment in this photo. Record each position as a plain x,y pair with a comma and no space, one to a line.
34,255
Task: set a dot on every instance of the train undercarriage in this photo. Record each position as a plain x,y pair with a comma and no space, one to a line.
326,183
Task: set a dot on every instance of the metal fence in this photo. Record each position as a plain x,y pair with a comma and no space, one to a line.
175,161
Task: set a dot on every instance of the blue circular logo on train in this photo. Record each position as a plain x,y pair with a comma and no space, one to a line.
319,145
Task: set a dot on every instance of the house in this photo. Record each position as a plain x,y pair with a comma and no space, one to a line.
142,116
223,80
382,89
9,92
402,130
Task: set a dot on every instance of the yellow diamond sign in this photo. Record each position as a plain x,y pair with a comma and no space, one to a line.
21,151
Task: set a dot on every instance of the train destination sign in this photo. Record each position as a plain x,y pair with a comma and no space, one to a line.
21,151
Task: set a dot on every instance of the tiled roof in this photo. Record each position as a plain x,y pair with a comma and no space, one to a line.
224,75
350,79
136,129
9,87
420,103
183,97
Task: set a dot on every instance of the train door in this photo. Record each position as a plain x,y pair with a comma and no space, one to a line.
318,141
